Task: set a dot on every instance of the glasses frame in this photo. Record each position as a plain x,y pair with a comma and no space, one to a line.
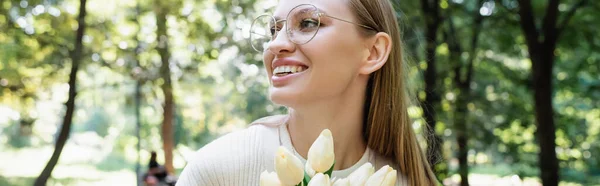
288,30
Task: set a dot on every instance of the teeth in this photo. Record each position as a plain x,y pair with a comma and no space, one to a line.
288,69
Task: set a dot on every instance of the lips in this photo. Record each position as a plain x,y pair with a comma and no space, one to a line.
285,70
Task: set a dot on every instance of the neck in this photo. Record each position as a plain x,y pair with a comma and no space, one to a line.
342,114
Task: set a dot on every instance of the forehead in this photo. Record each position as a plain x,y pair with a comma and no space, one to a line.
333,7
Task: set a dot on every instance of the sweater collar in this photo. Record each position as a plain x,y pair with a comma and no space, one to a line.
285,140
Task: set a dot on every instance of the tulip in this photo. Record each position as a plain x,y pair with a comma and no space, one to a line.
269,179
309,170
383,177
288,167
320,179
361,175
320,153
342,182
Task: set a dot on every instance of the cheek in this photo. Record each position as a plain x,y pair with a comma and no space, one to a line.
338,52
335,60
267,60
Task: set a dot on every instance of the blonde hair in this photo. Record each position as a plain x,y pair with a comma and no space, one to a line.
387,128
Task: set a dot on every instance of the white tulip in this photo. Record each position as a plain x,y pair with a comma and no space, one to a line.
288,167
361,175
342,182
309,170
385,176
320,154
269,179
320,179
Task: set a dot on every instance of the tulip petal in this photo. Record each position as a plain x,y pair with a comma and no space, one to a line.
320,179
320,154
342,182
309,170
383,177
269,179
361,175
390,178
288,167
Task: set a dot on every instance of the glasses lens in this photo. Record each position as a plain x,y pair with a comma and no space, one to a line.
262,31
303,22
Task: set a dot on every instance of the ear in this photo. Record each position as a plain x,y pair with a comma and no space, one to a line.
379,48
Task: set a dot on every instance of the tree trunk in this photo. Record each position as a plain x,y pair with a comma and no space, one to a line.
463,92
434,146
460,121
541,52
544,116
76,56
460,112
138,96
167,87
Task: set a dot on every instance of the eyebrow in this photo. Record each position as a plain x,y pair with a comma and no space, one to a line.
322,11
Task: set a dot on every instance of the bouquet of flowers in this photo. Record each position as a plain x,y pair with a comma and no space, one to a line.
318,168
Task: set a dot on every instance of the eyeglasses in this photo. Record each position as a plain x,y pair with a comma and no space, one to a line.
302,24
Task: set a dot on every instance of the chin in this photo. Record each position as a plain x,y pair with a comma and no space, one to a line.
285,96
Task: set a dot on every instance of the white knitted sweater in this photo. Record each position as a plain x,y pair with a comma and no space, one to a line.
238,158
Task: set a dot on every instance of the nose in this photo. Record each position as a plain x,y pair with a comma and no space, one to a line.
281,43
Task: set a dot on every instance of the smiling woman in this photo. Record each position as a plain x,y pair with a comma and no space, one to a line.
335,65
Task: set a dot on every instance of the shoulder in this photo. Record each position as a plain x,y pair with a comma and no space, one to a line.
236,157
248,141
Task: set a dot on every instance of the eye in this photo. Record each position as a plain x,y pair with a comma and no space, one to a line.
309,23
274,30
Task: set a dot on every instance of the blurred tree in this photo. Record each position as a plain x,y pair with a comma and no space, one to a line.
541,44
219,84
162,11
463,73
138,91
433,21
76,56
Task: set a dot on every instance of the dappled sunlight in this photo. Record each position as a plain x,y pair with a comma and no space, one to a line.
493,180
488,94
32,161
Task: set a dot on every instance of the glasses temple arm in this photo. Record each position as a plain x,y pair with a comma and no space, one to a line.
259,34
361,25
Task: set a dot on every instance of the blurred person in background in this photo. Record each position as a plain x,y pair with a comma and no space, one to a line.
157,175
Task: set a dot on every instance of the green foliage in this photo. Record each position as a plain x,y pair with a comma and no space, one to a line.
114,161
220,84
99,122
15,138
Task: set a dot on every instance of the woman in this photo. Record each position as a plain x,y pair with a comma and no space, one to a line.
335,64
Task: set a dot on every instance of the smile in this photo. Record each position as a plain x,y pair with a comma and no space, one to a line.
286,70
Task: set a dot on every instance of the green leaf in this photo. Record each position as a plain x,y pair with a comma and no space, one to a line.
328,172
305,180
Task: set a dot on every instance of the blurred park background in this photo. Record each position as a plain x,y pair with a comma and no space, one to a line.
510,88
